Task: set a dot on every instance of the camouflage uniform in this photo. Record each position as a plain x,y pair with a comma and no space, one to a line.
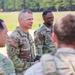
6,66
55,65
43,40
20,49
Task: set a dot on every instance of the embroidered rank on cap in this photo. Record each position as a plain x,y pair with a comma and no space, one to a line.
13,43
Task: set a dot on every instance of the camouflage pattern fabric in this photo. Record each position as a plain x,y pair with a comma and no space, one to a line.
53,64
43,41
61,67
20,49
6,66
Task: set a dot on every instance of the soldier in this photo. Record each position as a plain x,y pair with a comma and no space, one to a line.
42,36
20,47
6,65
63,62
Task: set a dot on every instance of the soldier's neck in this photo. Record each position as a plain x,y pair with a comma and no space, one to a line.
66,46
23,29
49,26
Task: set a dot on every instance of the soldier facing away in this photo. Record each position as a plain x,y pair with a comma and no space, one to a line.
6,65
20,46
42,36
63,62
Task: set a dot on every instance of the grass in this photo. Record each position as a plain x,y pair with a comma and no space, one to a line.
11,18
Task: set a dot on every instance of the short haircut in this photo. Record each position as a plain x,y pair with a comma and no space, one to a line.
1,26
22,13
46,11
65,29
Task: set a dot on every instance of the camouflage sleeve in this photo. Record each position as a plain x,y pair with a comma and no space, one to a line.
7,66
38,43
48,64
13,51
1,71
50,45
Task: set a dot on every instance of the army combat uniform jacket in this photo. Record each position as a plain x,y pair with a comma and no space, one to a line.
62,63
43,41
6,66
20,49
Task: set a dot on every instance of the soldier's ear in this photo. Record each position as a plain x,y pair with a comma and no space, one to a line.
20,20
54,37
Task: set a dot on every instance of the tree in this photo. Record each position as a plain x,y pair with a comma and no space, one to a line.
45,4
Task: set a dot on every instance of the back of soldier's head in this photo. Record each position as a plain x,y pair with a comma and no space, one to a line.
65,29
22,13
3,33
1,26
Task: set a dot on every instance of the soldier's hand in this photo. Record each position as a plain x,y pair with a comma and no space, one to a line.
36,61
37,58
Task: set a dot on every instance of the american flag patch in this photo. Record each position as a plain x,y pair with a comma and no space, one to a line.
13,43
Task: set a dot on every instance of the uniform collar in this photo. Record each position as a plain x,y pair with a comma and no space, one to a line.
66,50
21,32
48,29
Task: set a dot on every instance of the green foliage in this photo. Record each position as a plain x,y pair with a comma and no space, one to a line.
37,5
47,4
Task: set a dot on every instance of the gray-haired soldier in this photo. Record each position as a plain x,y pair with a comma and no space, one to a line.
63,62
42,35
20,46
